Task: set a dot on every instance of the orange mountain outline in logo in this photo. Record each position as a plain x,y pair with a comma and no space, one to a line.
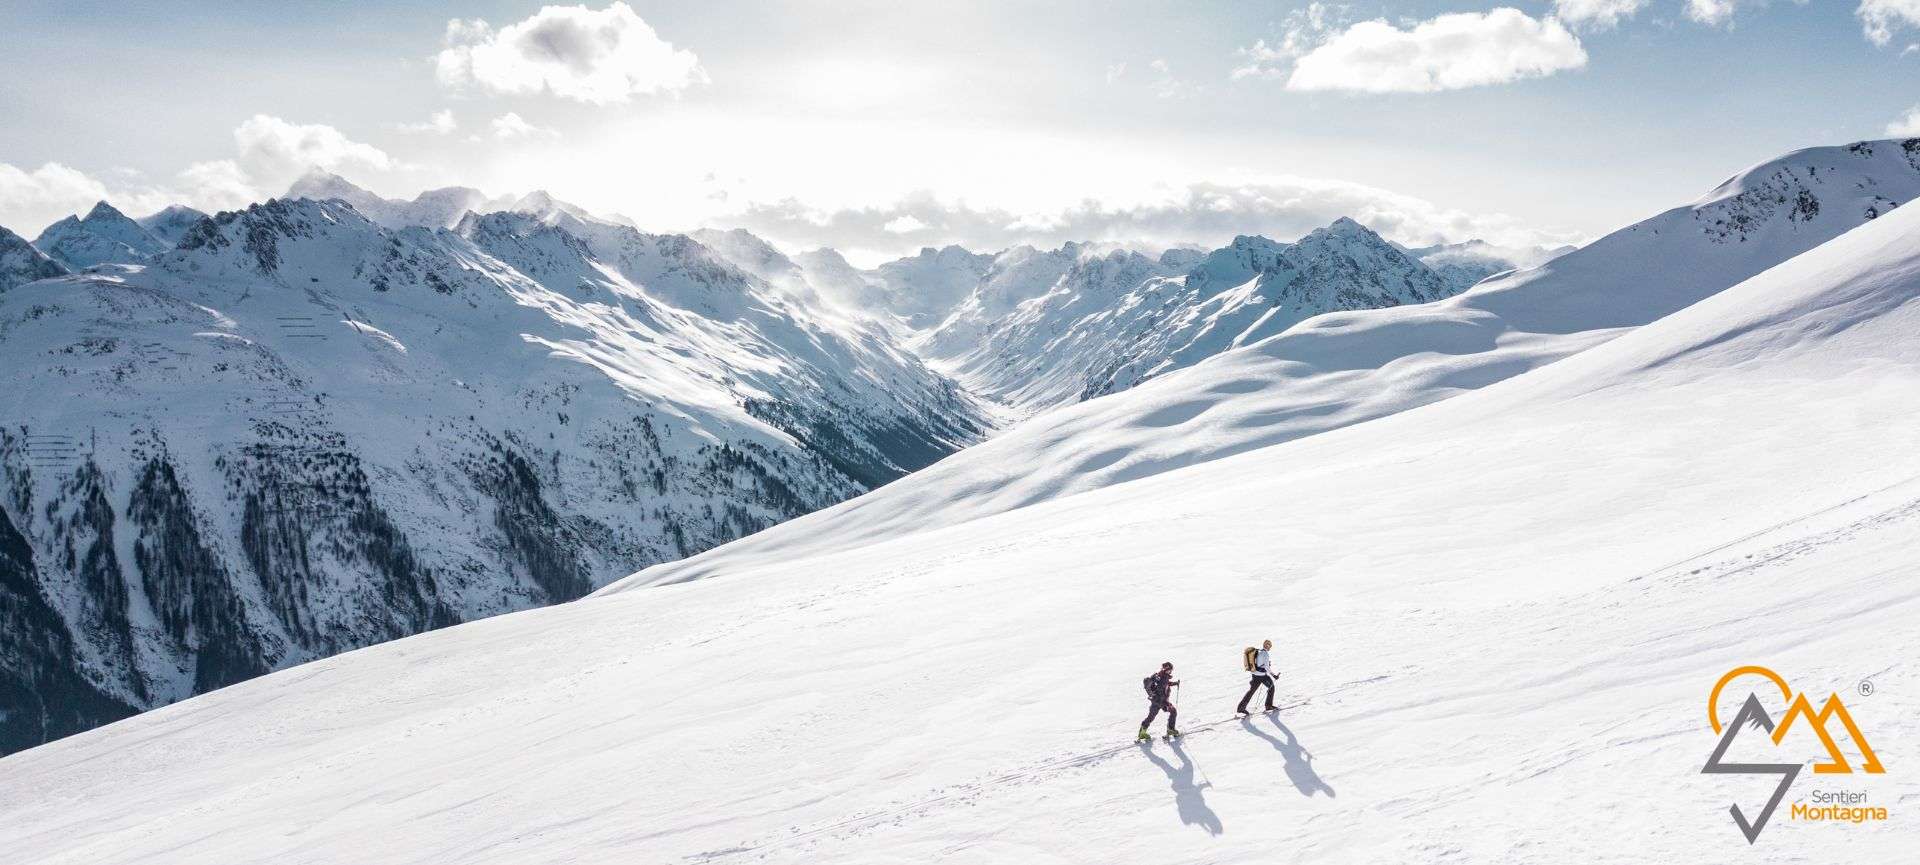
1800,706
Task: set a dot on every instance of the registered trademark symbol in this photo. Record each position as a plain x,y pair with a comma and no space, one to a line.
1866,687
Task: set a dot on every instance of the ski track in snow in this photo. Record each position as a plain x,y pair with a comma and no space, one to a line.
969,793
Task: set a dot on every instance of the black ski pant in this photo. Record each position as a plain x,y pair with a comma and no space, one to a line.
1154,709
1258,680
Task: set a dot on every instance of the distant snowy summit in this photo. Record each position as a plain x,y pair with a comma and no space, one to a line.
1044,329
434,208
171,223
103,236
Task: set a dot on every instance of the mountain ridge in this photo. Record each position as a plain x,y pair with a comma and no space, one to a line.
300,432
1340,369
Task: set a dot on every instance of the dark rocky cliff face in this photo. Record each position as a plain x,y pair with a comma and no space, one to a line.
43,695
131,588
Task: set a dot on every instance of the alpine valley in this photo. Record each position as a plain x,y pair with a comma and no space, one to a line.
1503,540
234,443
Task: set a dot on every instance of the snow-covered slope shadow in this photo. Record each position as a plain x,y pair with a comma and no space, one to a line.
1496,619
1344,368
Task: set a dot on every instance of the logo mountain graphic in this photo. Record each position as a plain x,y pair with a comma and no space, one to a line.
1754,714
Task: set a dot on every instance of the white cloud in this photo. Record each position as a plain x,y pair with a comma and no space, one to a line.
1598,14
1906,127
1450,52
1712,12
273,151
441,122
572,52
1882,18
1260,60
1166,85
270,153
903,224
1306,28
31,200
219,184
511,125
1201,213
1715,13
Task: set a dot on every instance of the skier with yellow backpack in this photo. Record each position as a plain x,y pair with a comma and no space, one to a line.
1258,663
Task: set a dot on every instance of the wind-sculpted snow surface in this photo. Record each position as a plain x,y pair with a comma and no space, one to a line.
1496,620
301,433
1344,368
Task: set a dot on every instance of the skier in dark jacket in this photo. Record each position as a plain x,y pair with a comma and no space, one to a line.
1262,675
1157,686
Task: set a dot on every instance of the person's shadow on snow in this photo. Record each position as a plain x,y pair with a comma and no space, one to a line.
1299,760
1186,794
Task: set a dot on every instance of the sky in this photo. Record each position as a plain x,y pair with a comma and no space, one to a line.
882,127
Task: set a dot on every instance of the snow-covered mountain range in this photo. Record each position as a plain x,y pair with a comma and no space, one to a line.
103,236
301,428
1052,328
1496,616
1344,368
301,432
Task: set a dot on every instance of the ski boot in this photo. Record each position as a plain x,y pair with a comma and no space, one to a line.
1144,736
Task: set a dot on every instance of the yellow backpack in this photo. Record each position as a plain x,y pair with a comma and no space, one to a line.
1248,656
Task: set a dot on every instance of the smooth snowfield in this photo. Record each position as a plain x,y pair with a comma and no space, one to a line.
1344,368
1503,614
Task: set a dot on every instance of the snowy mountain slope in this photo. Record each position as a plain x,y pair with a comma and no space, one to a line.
171,223
839,282
1016,275
1120,318
799,368
103,236
21,263
922,290
752,254
1496,619
301,433
1344,368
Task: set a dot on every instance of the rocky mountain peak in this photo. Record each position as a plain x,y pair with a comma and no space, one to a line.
21,263
104,236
